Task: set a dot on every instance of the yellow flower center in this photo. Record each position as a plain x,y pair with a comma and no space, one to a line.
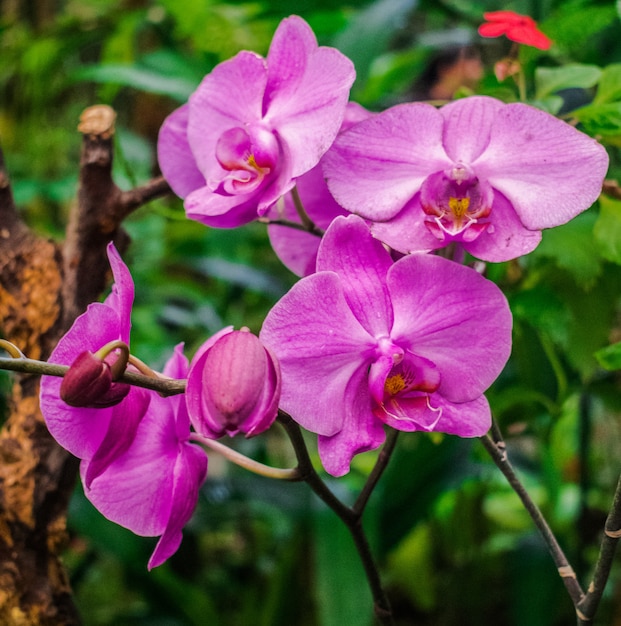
394,384
459,206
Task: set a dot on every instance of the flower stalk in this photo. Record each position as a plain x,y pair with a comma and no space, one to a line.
20,363
351,516
497,450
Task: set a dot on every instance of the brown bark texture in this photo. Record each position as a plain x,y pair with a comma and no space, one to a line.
44,286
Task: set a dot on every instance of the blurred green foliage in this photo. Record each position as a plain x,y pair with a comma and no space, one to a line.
454,543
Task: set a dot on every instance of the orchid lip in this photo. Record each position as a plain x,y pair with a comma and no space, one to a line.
393,410
247,156
456,201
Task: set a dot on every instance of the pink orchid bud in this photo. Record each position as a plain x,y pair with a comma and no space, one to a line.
88,383
233,386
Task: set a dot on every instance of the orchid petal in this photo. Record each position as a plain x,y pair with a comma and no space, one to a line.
135,491
464,419
78,429
121,297
189,473
467,124
175,155
410,413
374,168
505,238
406,232
314,320
462,322
551,172
360,430
306,93
152,488
231,95
122,426
292,44
221,211
378,372
361,262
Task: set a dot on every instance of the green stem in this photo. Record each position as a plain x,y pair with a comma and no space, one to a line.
557,367
521,85
122,349
242,460
307,471
164,386
303,215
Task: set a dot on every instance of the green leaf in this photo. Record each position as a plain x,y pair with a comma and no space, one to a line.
593,313
549,104
572,247
433,465
412,566
343,595
610,357
139,77
609,88
607,229
550,80
600,119
369,33
573,25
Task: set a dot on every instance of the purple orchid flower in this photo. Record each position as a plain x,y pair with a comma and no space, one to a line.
97,435
483,174
297,249
366,342
233,385
152,487
254,125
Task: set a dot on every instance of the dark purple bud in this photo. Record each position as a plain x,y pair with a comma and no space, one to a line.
88,383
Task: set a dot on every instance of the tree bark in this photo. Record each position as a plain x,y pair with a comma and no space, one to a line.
43,287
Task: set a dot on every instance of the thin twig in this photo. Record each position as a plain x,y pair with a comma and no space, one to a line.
307,471
380,465
302,214
587,607
497,450
164,386
352,519
292,475
290,224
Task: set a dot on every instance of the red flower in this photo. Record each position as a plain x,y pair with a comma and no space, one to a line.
519,28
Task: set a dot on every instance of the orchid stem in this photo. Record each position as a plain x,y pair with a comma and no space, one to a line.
164,386
587,607
496,448
290,224
123,356
307,471
382,461
12,349
351,517
142,367
242,460
303,215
